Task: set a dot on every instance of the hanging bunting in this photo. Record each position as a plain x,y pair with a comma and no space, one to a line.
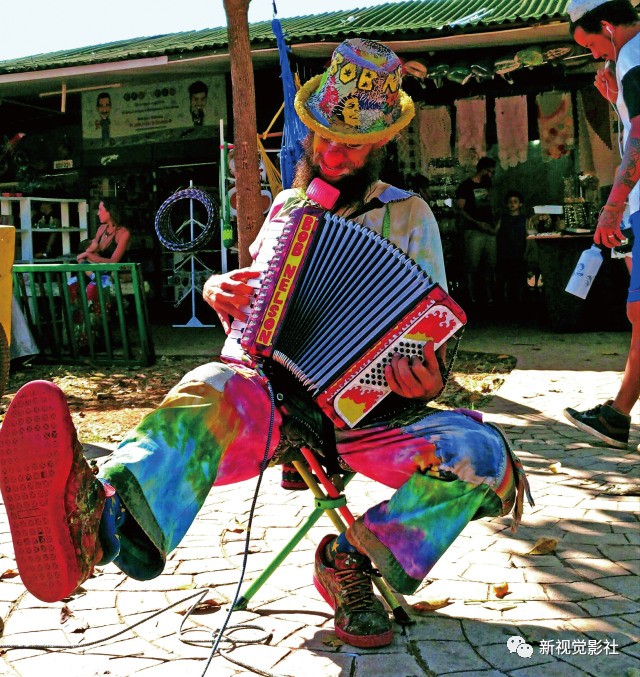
505,66
482,70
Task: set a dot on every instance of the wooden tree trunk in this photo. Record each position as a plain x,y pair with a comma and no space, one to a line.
249,210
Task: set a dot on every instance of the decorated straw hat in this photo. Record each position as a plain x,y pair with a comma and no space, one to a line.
359,98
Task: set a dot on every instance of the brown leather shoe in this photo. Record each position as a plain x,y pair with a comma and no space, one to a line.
53,501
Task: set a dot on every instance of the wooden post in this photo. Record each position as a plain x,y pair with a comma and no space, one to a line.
7,248
249,210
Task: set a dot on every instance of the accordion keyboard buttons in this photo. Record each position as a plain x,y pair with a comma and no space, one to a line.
374,375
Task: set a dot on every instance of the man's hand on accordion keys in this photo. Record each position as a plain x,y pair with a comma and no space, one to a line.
230,294
414,378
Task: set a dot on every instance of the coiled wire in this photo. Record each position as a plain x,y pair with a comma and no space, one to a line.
172,238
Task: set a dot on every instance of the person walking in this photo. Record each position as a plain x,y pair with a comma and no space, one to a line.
610,29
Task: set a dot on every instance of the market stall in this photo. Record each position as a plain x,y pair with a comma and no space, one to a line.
535,111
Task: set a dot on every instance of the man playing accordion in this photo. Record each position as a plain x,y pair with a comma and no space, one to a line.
447,467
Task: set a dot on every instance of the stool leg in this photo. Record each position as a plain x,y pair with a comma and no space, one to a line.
399,612
243,601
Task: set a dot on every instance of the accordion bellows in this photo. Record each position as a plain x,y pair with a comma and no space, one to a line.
336,301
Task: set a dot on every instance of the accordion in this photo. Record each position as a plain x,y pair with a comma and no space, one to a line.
335,301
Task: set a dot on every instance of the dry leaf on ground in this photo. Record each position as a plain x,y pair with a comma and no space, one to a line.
500,590
544,546
332,640
429,605
207,606
71,622
9,573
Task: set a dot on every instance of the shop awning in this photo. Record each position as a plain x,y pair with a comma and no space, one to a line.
397,23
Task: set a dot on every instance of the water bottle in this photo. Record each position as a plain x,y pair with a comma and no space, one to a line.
585,272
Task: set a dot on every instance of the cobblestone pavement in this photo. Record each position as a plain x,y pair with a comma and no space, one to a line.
576,606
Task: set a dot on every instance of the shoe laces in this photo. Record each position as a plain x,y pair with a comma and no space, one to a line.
594,411
356,589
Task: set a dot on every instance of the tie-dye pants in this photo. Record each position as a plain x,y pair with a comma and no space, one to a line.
447,468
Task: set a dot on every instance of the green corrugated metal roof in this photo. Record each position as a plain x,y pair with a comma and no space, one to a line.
391,21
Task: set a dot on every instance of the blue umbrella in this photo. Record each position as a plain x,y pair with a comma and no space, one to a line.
293,131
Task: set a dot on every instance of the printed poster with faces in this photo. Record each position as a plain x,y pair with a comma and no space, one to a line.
183,109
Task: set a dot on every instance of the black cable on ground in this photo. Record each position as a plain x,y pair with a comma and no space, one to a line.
84,645
219,634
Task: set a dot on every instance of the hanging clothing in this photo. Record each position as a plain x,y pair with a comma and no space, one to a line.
555,122
471,127
513,130
410,152
435,131
597,147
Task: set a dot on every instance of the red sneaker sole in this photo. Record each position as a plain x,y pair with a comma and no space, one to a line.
36,454
293,486
360,641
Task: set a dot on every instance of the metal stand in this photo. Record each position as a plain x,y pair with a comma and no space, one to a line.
224,216
191,259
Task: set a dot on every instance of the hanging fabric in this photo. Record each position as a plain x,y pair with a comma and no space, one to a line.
435,132
597,146
293,131
512,128
410,160
555,122
471,125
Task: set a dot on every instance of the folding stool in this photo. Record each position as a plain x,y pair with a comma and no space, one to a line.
332,502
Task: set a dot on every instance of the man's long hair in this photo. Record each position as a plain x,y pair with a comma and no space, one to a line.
353,188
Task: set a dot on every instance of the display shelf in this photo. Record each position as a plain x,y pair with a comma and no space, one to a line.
25,210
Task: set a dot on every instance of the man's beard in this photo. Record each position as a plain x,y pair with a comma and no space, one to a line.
353,187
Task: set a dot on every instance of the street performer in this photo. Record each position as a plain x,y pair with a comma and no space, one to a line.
447,467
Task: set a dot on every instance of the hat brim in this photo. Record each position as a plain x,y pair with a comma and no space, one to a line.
407,111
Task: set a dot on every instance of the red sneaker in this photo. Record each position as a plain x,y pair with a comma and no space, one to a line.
291,478
53,500
360,617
